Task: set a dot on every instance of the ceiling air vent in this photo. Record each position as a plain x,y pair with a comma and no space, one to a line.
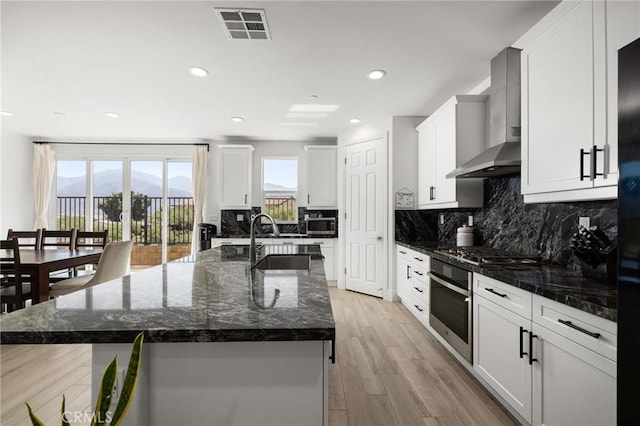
244,24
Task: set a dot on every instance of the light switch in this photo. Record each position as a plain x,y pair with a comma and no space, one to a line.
585,221
441,218
470,221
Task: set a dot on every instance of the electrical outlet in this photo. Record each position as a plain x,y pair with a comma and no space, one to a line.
585,221
240,218
441,218
470,223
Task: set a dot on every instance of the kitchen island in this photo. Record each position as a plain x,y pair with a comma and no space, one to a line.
224,344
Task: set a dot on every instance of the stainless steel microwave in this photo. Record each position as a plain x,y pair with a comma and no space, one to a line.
321,226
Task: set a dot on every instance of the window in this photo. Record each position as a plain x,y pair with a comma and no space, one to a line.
280,188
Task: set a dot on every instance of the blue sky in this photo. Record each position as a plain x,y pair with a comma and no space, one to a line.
78,168
281,172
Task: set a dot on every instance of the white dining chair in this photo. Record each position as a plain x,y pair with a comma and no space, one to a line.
114,263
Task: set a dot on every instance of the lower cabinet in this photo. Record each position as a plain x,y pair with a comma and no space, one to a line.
412,280
328,249
547,378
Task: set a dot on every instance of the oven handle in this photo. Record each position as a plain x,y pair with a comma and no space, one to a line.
449,286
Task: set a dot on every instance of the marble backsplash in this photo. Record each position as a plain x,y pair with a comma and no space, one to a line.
416,226
230,225
506,223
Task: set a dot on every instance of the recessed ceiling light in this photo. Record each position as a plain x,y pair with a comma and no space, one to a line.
313,108
237,119
377,74
198,72
112,114
314,97
6,113
354,120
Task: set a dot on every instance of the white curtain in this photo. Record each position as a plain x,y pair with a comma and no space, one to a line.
44,165
199,184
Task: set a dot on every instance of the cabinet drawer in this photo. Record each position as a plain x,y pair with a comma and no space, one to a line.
404,252
419,272
420,309
420,291
419,258
322,242
590,331
509,297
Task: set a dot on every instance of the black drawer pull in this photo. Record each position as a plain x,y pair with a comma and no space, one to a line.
522,352
418,308
580,329
490,290
418,289
403,252
418,259
531,358
418,273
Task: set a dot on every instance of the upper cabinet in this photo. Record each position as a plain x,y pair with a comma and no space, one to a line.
235,176
451,136
569,101
322,166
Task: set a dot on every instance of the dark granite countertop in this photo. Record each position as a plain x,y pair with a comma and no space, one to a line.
547,280
209,297
272,236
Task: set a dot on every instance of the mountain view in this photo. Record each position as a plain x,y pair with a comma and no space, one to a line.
110,181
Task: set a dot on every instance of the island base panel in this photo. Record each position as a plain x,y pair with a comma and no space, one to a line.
225,383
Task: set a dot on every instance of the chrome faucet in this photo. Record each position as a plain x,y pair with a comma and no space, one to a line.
252,247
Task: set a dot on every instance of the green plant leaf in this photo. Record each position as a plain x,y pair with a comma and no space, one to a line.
65,422
130,382
34,419
103,402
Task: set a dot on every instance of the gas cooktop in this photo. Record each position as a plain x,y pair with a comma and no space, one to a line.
484,256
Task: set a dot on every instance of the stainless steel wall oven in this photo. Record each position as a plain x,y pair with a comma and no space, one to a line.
450,311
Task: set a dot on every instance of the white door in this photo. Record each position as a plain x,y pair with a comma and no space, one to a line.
365,192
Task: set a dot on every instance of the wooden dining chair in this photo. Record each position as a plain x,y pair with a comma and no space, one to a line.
31,239
114,263
14,291
59,239
90,240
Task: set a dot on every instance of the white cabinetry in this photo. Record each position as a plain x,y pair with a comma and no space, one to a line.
451,136
500,326
322,166
569,101
235,176
327,247
413,282
553,364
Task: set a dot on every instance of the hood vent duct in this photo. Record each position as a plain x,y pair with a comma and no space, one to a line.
503,155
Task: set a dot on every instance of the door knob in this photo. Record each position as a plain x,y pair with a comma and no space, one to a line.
379,237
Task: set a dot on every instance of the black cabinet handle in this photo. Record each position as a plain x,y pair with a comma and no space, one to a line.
403,252
594,162
418,308
245,198
582,154
419,273
418,259
522,352
490,290
432,193
419,290
531,358
308,198
408,271
580,329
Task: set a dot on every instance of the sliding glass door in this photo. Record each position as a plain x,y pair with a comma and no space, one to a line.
148,201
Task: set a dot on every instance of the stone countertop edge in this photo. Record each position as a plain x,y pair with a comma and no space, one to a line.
209,300
550,281
285,236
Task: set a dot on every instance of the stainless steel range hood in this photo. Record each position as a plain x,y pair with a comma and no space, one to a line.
503,155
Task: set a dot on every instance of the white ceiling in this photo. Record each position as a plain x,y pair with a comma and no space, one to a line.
84,58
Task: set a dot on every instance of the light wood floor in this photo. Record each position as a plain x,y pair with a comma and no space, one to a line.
389,371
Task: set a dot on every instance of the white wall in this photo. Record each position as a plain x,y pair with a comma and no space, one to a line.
16,193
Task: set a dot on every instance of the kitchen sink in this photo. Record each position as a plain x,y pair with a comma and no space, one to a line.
284,261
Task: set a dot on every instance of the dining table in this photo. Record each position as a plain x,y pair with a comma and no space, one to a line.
38,264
